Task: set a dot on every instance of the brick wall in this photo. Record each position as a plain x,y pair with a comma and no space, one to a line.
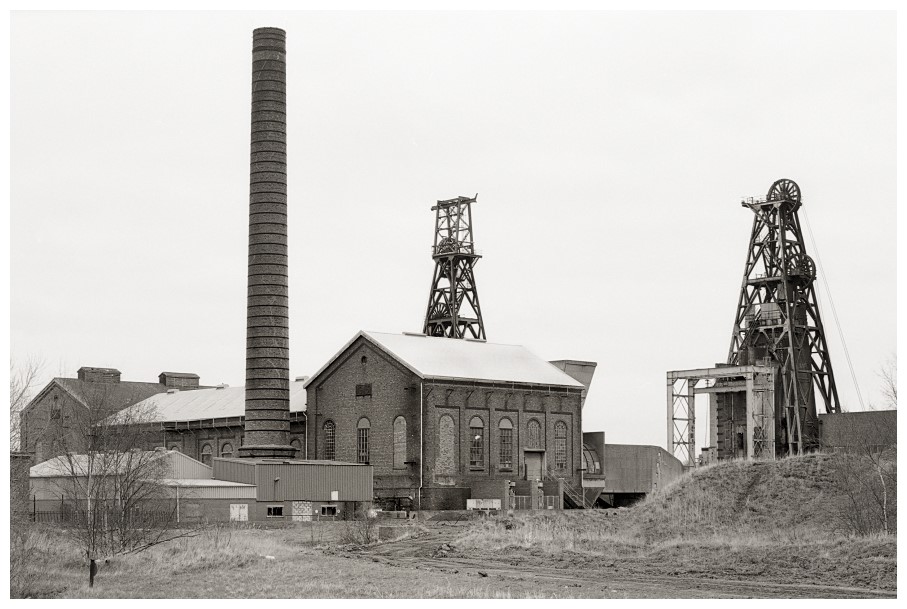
394,392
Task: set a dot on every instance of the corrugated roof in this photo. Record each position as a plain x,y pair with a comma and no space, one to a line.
203,482
199,404
74,464
452,358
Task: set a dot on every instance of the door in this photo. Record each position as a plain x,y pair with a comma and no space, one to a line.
239,512
533,465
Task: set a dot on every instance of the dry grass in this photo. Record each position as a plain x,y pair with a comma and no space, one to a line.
233,563
735,519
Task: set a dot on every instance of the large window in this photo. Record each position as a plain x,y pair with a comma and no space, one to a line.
329,439
295,443
560,445
362,448
226,450
399,443
206,454
505,428
535,434
477,446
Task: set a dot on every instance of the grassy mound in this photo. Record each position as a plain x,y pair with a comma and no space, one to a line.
777,520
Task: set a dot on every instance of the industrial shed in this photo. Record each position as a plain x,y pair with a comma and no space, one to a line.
298,490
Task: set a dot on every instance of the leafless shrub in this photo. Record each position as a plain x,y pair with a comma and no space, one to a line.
23,379
361,529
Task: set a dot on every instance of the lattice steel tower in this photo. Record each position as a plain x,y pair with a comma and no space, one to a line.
453,302
778,321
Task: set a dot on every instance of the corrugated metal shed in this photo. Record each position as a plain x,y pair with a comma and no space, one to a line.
443,358
279,480
199,404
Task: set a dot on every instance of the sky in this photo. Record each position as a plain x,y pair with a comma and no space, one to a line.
609,151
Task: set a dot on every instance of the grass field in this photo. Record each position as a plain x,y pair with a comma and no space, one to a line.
765,523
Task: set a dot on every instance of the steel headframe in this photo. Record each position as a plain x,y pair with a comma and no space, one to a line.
453,302
778,316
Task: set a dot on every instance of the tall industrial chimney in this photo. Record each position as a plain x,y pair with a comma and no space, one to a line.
267,322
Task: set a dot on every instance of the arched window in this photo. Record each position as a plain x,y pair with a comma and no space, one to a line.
362,448
399,443
535,434
226,450
329,437
174,447
447,446
477,444
206,454
590,458
560,445
505,429
295,443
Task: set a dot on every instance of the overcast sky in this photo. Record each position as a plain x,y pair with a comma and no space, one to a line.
609,152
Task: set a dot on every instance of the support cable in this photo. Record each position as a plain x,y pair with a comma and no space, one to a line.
834,311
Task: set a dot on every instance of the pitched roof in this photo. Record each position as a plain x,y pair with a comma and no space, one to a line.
178,465
199,404
110,396
451,358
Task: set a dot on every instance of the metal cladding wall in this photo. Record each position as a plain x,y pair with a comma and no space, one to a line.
630,468
267,423
313,481
184,467
234,471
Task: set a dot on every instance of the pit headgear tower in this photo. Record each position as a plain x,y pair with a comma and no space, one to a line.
267,423
778,321
453,302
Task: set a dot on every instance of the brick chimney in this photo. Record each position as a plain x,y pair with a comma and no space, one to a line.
91,374
267,424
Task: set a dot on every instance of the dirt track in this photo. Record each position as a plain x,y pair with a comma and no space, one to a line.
428,551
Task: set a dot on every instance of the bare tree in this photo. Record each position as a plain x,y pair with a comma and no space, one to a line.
865,463
23,379
888,374
113,492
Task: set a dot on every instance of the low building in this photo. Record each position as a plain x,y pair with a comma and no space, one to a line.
866,430
188,491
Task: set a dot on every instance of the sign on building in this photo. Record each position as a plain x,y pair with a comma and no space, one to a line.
483,504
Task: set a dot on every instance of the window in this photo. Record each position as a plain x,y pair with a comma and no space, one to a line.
364,390
226,450
477,445
295,443
560,445
206,454
447,446
399,443
275,511
328,510
505,428
535,434
174,447
55,408
329,434
362,430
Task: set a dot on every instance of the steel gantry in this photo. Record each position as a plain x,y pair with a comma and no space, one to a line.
453,302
